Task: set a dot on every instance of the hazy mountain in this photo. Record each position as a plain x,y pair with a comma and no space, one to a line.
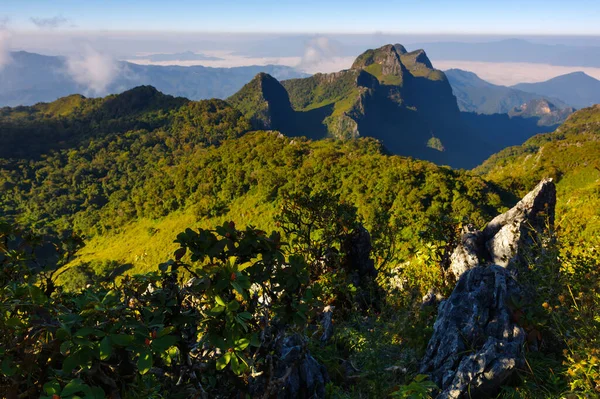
474,94
390,94
576,89
477,95
31,78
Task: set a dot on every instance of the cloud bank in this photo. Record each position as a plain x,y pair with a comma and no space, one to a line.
50,23
511,73
317,51
93,70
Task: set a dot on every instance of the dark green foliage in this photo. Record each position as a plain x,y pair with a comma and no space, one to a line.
153,334
569,155
100,172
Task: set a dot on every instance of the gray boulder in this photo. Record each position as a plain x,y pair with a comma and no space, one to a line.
509,237
476,345
291,372
360,266
301,375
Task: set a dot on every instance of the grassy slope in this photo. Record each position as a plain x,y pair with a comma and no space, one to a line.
571,156
412,192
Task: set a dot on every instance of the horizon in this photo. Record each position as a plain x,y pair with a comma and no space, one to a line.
311,37
510,17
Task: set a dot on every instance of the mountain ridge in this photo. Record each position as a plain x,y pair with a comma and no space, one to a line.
477,95
577,89
31,78
395,96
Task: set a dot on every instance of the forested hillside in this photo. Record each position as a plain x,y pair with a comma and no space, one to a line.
153,246
106,177
571,156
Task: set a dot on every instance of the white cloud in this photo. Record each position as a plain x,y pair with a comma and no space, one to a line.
229,59
317,51
50,23
94,70
511,73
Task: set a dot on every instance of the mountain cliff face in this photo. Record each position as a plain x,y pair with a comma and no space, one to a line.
389,94
548,113
264,102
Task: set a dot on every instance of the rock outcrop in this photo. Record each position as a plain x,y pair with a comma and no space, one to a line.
361,267
477,344
509,237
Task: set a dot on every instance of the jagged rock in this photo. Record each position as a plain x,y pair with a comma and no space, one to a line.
303,376
468,253
386,56
476,345
509,236
327,324
358,255
432,298
292,373
361,268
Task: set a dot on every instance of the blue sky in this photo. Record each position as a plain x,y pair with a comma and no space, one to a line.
557,17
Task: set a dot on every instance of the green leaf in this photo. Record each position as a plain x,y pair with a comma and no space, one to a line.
233,306
51,388
239,289
144,361
105,348
98,393
65,346
63,334
6,367
121,339
245,316
223,361
254,340
163,343
73,387
83,332
111,297
217,309
15,322
70,363
235,365
166,331
242,344
220,301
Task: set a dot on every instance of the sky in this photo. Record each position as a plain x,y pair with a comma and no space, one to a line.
557,17
311,35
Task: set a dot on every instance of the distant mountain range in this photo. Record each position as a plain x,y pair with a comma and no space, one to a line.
474,94
390,94
31,78
393,95
576,89
515,50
